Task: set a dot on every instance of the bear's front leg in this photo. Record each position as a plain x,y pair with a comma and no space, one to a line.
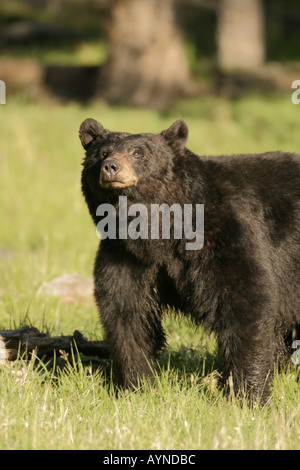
243,319
130,313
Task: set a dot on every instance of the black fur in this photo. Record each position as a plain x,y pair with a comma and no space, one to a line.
243,284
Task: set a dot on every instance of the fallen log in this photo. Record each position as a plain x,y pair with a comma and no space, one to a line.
23,341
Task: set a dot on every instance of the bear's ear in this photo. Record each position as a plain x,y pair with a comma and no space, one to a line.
89,130
177,134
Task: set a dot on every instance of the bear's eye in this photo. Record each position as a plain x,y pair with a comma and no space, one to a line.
137,152
104,153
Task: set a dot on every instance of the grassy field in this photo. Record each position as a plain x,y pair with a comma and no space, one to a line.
46,231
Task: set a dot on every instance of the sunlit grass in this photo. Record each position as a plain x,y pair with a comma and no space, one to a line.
46,231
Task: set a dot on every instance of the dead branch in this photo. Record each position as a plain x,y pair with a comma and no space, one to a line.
23,341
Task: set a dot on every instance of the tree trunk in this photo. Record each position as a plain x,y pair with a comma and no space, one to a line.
146,63
240,36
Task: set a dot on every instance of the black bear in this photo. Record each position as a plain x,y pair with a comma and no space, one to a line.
241,280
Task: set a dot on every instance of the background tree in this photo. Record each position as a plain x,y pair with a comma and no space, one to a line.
146,64
240,35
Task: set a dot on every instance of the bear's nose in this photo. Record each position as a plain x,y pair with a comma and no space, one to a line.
111,168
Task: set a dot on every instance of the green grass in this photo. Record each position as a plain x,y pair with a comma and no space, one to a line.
92,52
46,231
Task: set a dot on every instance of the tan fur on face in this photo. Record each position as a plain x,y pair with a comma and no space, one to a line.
124,178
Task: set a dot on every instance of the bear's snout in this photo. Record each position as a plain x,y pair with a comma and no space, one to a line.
110,168
117,173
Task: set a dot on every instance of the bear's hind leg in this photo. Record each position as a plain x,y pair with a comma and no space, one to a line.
131,315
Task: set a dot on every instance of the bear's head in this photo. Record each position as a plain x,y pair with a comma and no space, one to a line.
116,161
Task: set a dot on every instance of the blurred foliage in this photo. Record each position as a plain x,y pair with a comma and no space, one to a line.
282,29
83,22
88,18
